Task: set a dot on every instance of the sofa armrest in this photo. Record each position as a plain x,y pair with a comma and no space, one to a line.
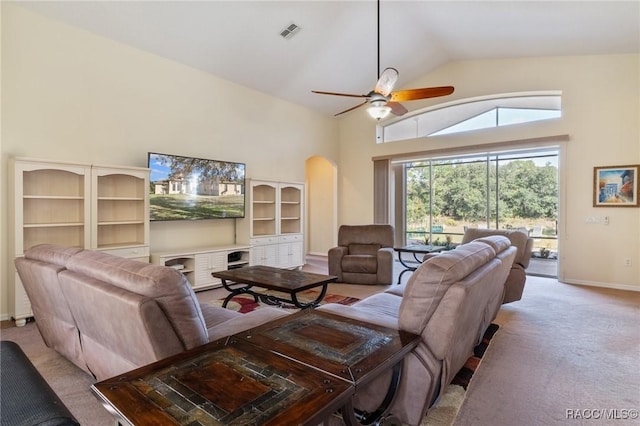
385,265
335,260
526,256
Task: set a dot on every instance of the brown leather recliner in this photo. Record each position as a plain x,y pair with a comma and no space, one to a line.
364,254
514,285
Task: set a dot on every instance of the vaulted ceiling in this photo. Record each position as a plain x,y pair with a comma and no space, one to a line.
336,48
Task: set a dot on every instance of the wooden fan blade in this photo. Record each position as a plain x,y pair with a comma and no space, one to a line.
415,94
340,94
386,81
350,109
397,108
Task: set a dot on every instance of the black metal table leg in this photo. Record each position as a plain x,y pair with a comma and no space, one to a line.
236,291
352,417
313,304
408,268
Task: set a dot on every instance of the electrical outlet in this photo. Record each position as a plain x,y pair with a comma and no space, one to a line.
627,261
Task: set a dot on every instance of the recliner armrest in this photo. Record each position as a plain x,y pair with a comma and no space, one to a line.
335,256
526,257
383,250
385,265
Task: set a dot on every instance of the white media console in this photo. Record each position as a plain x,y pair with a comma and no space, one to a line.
197,264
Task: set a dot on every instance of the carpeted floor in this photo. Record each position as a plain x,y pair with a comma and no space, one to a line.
565,354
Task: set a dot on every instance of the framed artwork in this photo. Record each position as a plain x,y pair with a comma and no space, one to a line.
615,186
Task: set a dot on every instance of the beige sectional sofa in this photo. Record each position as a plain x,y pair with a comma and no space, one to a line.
109,315
514,285
449,301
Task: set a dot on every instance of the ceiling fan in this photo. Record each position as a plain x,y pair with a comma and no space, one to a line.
383,99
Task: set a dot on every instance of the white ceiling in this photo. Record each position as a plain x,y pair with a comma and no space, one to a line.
336,49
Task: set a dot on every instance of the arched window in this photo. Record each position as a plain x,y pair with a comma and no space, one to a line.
473,114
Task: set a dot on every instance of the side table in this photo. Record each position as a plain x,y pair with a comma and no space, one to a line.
352,350
226,382
415,250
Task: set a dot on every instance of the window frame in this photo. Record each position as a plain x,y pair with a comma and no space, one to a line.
426,122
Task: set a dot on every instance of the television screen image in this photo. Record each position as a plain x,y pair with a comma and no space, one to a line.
188,188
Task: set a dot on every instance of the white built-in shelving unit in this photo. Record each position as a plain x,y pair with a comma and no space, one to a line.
76,205
274,226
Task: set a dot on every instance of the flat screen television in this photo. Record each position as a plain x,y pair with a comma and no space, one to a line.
188,188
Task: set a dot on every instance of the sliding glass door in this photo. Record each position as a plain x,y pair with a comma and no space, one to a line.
508,190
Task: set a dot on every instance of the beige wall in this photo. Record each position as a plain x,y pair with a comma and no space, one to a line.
601,113
322,205
3,192
74,96
71,95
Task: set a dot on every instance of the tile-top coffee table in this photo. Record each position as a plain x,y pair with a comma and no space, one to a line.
227,382
353,350
286,281
296,370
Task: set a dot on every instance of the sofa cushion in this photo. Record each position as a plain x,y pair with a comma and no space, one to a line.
397,290
366,234
51,253
432,279
168,287
366,249
498,242
360,263
518,239
381,309
213,315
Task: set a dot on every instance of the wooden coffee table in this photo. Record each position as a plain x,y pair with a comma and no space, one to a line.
353,350
227,382
296,370
287,281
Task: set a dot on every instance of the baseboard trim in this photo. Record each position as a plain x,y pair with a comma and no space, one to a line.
602,285
317,254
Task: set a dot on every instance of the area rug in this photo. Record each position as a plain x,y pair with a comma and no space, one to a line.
244,303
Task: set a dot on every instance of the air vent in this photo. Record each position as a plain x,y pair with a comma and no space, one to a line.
289,31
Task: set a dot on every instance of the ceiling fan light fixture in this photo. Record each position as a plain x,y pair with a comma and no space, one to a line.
382,99
378,110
